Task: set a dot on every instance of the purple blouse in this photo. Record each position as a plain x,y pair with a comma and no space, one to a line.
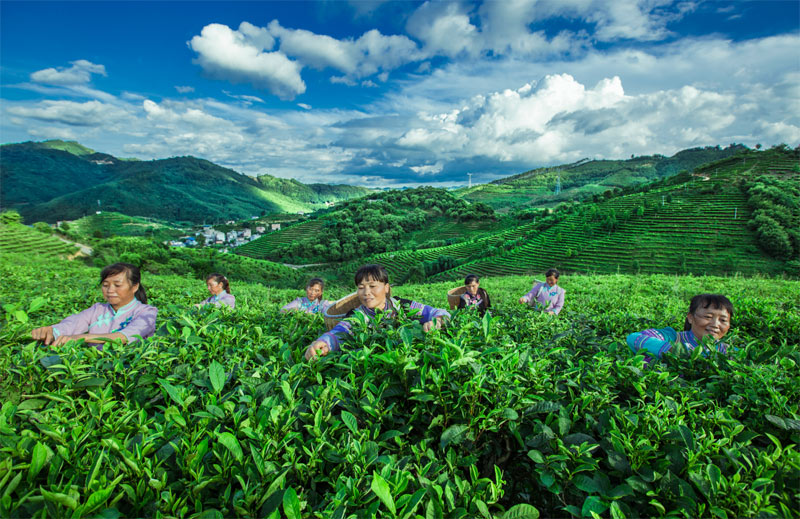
343,329
542,294
223,298
303,304
131,320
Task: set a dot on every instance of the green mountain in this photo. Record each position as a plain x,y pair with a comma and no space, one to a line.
382,221
739,214
587,178
55,180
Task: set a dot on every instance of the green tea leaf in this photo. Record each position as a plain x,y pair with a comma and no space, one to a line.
38,459
536,456
232,444
453,435
61,499
36,304
287,391
291,505
217,375
90,382
593,504
172,391
483,509
586,484
31,403
522,511
381,489
350,421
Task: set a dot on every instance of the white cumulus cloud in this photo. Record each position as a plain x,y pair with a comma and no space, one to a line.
90,113
80,73
242,56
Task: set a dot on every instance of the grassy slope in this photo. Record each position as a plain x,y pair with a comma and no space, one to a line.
20,239
664,239
110,223
585,178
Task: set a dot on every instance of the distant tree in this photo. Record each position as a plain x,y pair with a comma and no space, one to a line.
10,216
43,228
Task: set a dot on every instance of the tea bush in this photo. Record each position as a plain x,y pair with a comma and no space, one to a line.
515,414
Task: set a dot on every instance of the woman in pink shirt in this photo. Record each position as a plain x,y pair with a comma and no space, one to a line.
125,315
547,295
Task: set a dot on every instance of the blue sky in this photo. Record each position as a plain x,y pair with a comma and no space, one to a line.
400,93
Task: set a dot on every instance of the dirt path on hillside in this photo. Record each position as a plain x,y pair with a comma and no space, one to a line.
84,249
303,266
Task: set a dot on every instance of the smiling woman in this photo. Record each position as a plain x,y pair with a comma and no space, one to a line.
375,294
124,316
709,314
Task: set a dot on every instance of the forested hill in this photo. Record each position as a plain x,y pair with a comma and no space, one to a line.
55,180
585,178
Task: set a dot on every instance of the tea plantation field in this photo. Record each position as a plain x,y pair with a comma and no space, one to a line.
516,415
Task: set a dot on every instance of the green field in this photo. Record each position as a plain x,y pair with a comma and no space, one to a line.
108,224
514,415
18,238
262,247
698,223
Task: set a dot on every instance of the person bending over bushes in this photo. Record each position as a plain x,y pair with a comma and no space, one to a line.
312,303
475,296
220,291
125,315
546,295
709,314
375,295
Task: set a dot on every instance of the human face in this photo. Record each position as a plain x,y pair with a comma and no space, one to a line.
314,292
372,294
472,288
117,290
710,321
214,287
551,280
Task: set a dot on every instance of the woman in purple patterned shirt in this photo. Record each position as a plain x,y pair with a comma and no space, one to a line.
375,295
547,295
312,303
125,315
220,290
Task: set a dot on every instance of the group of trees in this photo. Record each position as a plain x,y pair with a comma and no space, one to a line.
378,223
160,259
776,215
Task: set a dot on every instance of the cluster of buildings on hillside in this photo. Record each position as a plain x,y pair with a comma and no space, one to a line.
210,236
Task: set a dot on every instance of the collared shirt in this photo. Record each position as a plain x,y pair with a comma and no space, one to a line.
547,297
223,298
656,342
304,304
343,329
133,319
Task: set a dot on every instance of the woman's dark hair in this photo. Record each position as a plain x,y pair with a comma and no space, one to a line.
552,272
132,274
316,281
372,271
470,278
717,301
219,278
